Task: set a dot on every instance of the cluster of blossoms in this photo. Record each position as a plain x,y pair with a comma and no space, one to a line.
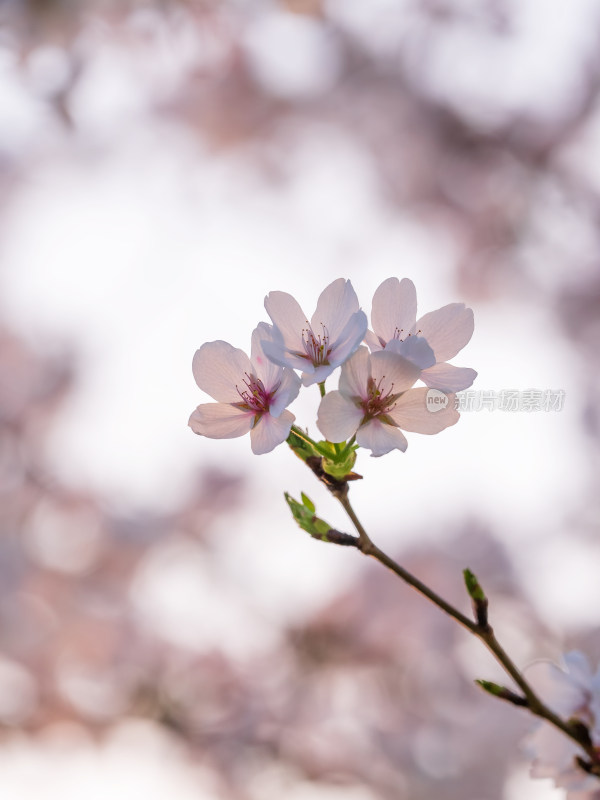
376,399
574,694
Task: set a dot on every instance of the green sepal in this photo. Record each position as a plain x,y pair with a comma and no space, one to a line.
328,460
304,514
337,458
327,449
301,447
340,467
306,501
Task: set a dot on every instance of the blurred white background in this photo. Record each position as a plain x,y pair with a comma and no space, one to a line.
162,168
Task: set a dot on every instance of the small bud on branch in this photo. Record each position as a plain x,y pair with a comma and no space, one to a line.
502,692
477,595
304,514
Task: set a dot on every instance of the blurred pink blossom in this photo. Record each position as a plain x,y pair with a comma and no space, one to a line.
573,691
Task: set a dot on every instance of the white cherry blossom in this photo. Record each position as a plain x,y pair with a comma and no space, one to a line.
317,347
375,401
251,394
572,691
446,331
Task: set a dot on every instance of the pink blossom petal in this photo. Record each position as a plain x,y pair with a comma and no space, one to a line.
393,370
553,756
288,317
270,431
381,438
276,351
578,668
220,421
263,367
338,418
448,378
349,339
218,368
394,308
318,374
551,750
356,372
412,413
447,330
561,691
372,341
415,349
286,393
336,304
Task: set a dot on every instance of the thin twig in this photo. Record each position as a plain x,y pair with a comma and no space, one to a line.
484,632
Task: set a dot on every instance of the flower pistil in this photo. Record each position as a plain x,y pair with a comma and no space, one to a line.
316,347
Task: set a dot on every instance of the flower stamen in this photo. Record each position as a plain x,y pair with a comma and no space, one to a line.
255,397
316,347
380,400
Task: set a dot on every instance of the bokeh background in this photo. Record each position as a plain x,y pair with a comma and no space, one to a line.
165,629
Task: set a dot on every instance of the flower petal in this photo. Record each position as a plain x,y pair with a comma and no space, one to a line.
448,378
286,393
349,339
381,438
276,351
392,371
578,668
394,308
373,341
356,372
270,431
552,752
265,369
218,368
287,317
415,349
412,413
338,418
447,330
563,692
336,304
318,374
220,421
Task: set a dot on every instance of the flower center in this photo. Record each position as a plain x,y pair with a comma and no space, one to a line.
255,397
316,348
379,400
398,335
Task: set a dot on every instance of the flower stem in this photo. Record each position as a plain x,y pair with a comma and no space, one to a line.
483,632
366,546
322,388
349,444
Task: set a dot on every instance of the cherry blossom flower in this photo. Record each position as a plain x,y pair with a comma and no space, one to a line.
251,394
317,347
447,330
571,692
375,401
